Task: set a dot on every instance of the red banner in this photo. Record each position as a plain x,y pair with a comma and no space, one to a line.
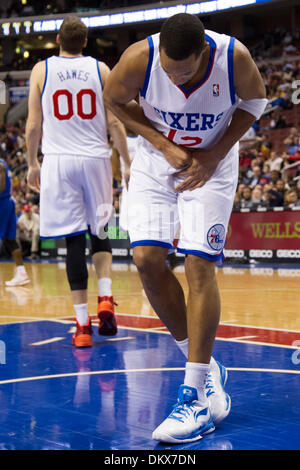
264,230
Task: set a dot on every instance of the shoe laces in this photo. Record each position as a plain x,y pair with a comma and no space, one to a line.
209,386
181,410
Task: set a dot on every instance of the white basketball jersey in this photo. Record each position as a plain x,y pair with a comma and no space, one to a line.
197,117
74,121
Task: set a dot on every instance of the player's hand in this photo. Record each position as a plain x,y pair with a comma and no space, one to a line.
204,164
178,157
33,177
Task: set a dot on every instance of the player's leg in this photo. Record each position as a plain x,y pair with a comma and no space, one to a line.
102,260
97,183
203,315
20,278
204,215
63,214
10,243
191,417
153,221
35,243
77,274
162,288
203,307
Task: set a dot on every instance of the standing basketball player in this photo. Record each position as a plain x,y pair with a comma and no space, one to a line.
199,93
8,227
76,178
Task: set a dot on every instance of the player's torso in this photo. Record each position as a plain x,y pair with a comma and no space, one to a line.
197,117
7,192
74,119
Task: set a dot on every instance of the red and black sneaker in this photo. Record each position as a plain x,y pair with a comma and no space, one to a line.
83,336
106,315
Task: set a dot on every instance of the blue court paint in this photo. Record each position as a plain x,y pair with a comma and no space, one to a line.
119,410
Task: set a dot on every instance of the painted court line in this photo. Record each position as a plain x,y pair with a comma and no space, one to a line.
259,343
120,339
128,371
47,341
242,337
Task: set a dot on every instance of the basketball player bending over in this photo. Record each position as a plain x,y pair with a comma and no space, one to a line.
75,183
199,93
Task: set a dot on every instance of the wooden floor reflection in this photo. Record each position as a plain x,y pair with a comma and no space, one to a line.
262,297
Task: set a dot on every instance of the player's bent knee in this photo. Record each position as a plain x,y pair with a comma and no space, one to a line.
149,258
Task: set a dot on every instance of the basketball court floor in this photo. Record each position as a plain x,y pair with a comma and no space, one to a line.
112,396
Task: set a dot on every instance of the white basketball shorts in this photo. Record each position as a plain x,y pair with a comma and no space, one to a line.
155,211
76,192
123,216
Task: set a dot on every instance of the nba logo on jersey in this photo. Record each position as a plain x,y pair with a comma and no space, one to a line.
216,89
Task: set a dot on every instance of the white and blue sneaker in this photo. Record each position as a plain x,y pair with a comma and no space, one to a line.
219,401
188,421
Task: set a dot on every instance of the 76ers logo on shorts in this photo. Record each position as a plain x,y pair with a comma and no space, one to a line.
216,237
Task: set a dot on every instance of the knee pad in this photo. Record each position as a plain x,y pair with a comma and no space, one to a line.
76,262
97,244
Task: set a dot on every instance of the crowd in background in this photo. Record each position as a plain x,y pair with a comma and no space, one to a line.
265,176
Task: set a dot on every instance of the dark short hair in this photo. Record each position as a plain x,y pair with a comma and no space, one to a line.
73,33
181,36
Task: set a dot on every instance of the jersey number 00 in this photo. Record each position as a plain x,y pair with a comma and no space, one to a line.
79,104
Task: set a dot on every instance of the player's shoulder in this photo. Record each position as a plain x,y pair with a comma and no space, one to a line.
138,50
103,66
135,58
38,70
241,52
39,66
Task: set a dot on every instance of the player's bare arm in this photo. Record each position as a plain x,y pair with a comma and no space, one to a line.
249,85
2,178
34,124
122,87
116,129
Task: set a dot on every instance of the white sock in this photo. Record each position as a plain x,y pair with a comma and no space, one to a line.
183,346
82,315
105,286
195,376
21,269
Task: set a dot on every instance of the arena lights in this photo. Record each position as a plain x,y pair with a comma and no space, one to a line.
129,17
